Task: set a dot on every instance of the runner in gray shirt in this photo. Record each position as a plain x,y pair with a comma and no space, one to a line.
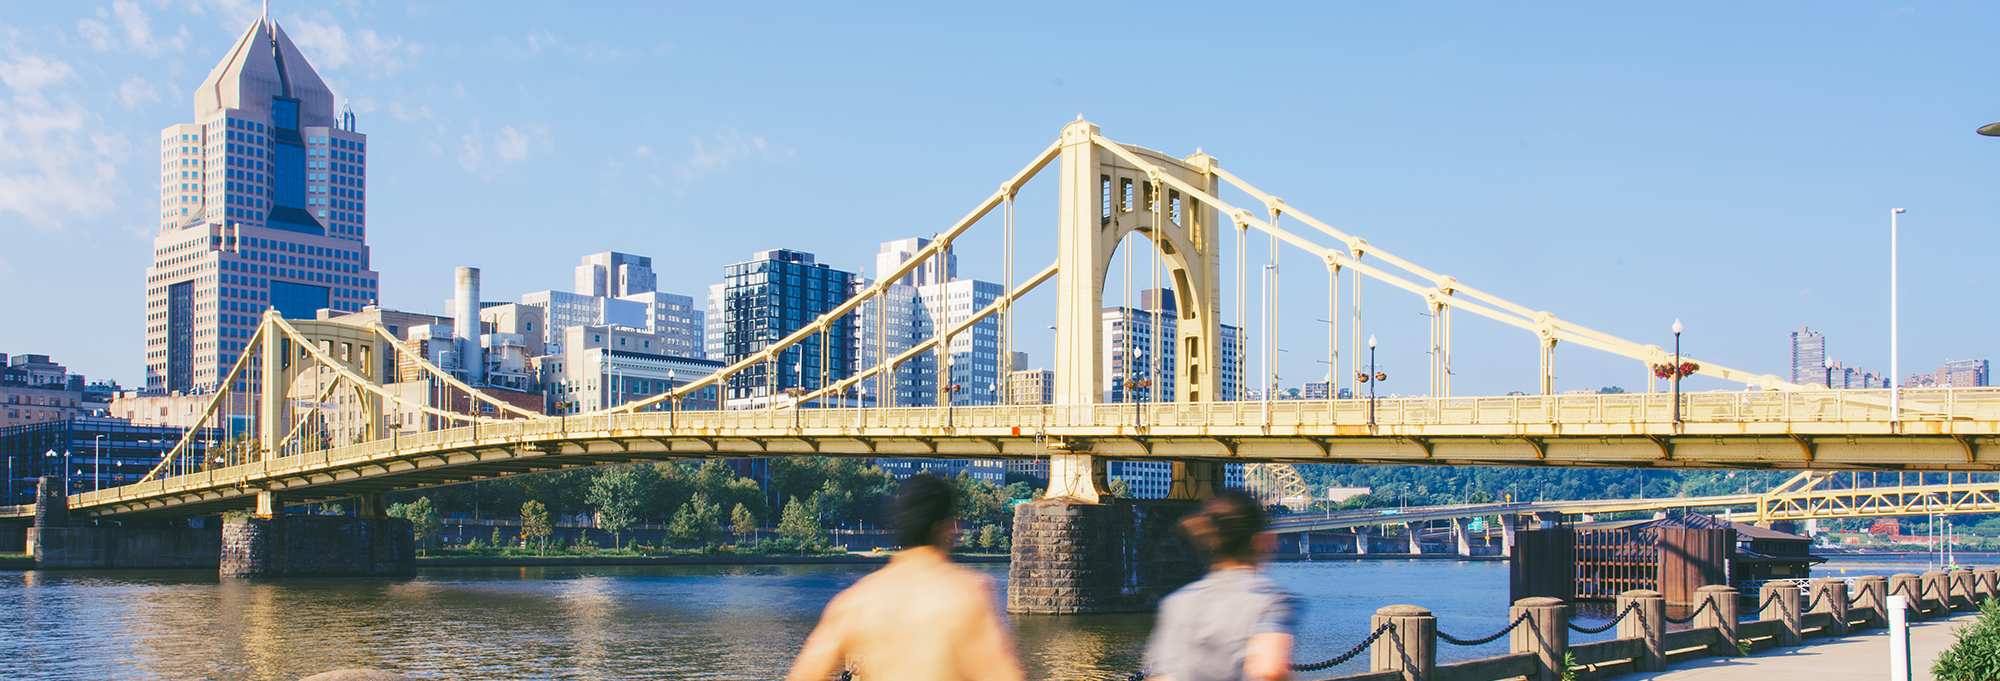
1233,623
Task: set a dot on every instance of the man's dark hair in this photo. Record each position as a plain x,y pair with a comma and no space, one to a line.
1226,525
922,504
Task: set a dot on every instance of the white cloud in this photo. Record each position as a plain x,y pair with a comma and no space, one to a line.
510,145
329,46
404,114
591,50
642,151
52,167
135,91
134,32
235,16
28,74
726,147
472,151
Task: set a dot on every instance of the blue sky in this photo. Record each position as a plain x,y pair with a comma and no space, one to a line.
1618,164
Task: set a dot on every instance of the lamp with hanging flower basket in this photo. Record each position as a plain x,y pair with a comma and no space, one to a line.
1131,386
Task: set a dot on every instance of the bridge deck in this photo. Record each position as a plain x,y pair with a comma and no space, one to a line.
1832,430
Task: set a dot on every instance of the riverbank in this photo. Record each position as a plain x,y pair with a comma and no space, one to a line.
1318,557
526,561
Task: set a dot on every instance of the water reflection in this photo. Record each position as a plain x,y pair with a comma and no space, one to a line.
681,622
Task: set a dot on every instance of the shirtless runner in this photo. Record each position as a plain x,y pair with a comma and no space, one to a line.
920,617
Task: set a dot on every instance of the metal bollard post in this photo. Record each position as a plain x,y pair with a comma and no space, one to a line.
1648,621
1720,616
1832,596
1935,600
1783,599
1874,592
1899,638
1409,647
1910,586
1546,633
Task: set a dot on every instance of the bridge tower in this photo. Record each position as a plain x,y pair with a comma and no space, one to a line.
1105,197
301,380
1073,552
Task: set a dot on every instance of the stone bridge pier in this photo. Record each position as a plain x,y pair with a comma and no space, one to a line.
266,544
1078,550
271,543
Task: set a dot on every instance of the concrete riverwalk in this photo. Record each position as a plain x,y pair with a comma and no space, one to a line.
1860,655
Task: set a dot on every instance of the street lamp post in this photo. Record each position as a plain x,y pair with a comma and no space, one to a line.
1895,369
1371,377
862,406
674,406
1677,371
97,464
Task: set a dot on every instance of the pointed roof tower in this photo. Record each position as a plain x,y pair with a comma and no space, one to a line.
264,63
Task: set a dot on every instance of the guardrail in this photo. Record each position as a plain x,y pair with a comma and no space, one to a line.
1404,645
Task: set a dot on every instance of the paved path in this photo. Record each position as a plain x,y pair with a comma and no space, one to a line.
1857,656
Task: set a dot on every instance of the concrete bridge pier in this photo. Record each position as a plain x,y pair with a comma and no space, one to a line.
1078,550
1416,538
1463,536
1361,540
1507,523
273,544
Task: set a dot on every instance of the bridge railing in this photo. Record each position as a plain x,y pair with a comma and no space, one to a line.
1651,409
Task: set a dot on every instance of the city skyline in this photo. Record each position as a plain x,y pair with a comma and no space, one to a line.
1728,169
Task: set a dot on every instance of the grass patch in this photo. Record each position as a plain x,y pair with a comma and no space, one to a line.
14,556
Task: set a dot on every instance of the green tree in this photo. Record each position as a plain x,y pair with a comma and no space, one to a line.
1120,488
830,504
1611,390
991,538
535,523
616,496
798,525
423,517
742,522
1975,656
697,521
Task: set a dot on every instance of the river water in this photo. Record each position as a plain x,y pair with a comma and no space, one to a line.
678,622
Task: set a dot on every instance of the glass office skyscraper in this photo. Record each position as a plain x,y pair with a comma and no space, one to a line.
262,205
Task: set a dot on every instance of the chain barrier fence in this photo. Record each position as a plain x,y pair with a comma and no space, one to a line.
1629,609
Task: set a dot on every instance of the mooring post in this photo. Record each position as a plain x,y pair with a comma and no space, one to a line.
1935,599
1546,633
1911,588
1830,596
1961,590
1720,616
1983,583
1410,646
1780,602
1874,593
1648,621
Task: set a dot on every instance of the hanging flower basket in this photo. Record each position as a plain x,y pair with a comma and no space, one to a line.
1668,370
1137,383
